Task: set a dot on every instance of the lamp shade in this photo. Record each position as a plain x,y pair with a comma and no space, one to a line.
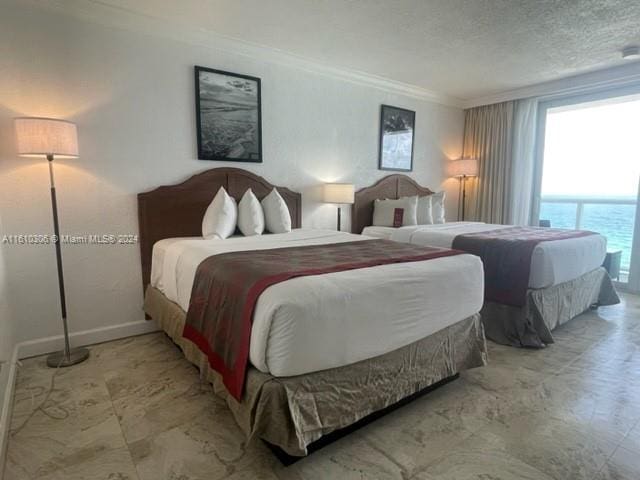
338,193
38,137
465,167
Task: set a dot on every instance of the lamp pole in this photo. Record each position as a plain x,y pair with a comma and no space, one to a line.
461,169
67,357
463,180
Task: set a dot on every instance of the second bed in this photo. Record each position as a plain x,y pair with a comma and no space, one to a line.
561,277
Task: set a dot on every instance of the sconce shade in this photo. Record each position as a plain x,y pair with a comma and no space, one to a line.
465,167
338,193
37,137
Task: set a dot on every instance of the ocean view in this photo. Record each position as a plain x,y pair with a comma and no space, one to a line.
591,163
615,222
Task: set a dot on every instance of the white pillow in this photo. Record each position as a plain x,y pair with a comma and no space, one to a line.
250,215
221,216
384,211
424,216
276,213
437,207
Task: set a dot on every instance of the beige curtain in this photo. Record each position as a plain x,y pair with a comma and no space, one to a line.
488,136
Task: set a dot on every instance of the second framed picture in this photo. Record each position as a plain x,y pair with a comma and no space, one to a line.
228,116
396,138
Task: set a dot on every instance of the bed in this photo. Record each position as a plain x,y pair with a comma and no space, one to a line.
565,275
325,353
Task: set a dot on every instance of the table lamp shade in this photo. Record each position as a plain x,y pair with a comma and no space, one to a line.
338,193
37,137
465,167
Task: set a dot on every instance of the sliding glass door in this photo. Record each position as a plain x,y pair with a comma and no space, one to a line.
590,172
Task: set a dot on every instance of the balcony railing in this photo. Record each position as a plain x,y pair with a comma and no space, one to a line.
612,217
580,202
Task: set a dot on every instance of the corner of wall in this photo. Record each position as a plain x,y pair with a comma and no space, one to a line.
8,374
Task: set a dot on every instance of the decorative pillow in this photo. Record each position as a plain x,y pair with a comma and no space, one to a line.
437,207
424,216
250,215
221,216
386,211
276,213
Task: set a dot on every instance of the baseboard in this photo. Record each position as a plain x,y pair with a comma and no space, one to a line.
42,346
7,408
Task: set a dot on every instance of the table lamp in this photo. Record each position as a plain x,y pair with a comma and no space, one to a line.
463,168
51,138
339,193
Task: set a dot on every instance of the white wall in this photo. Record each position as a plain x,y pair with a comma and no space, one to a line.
132,97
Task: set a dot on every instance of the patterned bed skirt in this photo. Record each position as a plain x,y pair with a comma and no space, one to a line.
293,412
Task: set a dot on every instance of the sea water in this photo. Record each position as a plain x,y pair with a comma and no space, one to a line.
615,222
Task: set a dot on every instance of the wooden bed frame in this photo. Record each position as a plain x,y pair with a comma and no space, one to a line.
177,210
392,187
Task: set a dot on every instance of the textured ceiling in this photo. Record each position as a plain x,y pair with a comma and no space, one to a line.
462,48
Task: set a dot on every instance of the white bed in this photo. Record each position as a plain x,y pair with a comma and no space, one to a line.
318,322
552,263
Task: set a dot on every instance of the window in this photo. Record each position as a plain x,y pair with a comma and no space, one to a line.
591,169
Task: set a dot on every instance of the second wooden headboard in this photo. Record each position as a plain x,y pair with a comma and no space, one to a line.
177,210
392,187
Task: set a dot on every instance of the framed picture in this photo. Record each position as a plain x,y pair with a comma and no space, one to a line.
396,138
228,116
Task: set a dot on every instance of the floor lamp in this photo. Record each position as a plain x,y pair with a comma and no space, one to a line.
340,194
50,138
462,169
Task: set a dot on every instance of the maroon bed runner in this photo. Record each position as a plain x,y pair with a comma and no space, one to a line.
506,254
227,286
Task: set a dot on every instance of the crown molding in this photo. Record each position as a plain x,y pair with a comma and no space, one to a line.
110,16
97,12
613,77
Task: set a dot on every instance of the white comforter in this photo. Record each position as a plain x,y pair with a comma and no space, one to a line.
553,262
318,322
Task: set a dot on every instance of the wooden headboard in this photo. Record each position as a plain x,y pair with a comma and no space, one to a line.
392,187
177,210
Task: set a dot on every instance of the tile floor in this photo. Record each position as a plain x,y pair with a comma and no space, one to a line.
137,410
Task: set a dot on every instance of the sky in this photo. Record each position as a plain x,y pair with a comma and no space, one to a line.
593,150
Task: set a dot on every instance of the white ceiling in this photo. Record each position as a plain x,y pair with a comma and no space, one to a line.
460,48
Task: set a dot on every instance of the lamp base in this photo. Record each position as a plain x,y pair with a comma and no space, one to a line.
60,359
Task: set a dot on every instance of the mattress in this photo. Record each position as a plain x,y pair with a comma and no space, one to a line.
314,323
552,263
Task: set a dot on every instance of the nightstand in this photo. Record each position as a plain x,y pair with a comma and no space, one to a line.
612,263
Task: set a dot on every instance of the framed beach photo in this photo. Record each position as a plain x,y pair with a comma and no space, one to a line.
396,138
228,116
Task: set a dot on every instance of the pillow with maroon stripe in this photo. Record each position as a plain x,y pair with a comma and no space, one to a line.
384,211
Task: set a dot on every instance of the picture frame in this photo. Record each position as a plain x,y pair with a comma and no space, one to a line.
228,116
397,133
